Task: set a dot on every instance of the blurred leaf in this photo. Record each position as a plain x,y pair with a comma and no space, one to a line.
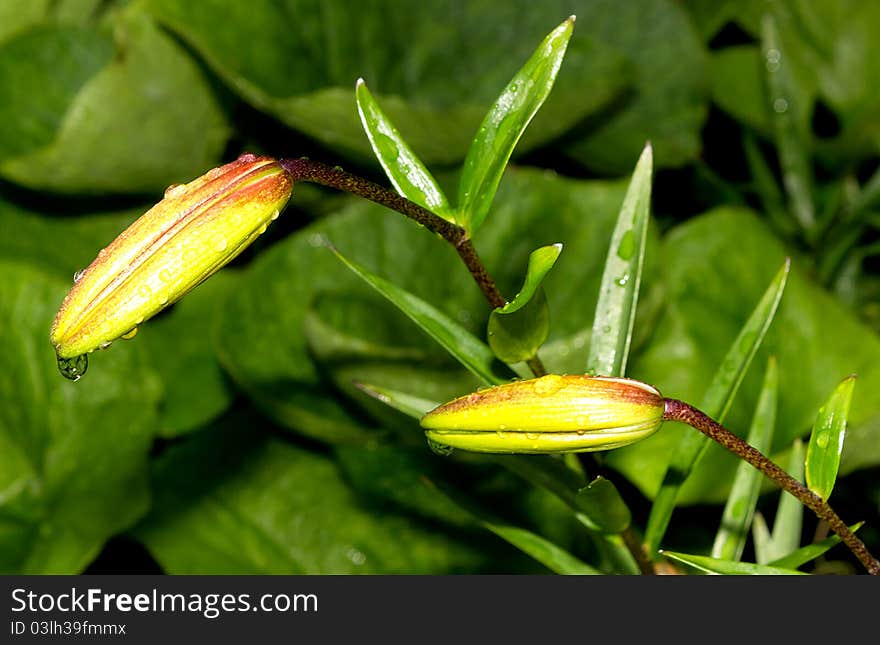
716,267
459,342
434,68
73,456
120,125
179,343
716,401
282,304
518,329
728,567
503,126
788,524
603,506
810,552
406,171
619,291
730,540
413,406
826,440
233,499
17,15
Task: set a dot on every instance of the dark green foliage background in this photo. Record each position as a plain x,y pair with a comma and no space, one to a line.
228,438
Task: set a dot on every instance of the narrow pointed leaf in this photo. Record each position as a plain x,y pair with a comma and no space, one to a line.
458,341
810,552
788,525
504,124
730,568
405,170
541,549
740,507
789,134
619,290
519,328
413,406
826,440
717,400
602,504
762,540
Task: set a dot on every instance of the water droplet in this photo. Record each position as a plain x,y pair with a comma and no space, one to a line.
500,434
130,334
102,253
78,275
773,58
144,291
105,344
514,87
163,299
622,280
780,106
275,214
220,244
627,246
356,556
581,433
822,440
165,275
73,368
260,231
606,329
174,190
439,448
532,436
547,385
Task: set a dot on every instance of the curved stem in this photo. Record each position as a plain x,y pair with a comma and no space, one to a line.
304,169
680,411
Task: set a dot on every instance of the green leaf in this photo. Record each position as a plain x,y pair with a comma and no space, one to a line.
236,499
603,507
541,549
730,568
406,171
434,67
503,126
18,15
518,329
73,456
789,136
810,552
716,401
826,440
788,525
467,349
124,120
730,540
619,291
413,406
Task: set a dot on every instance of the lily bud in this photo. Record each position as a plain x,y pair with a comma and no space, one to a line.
194,231
548,414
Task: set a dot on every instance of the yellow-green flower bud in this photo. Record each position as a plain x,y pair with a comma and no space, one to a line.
548,414
195,230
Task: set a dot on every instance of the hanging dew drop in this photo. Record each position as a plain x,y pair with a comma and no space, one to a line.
440,448
174,190
78,275
627,246
130,334
73,368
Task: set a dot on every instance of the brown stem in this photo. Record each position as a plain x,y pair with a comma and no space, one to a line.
679,411
635,547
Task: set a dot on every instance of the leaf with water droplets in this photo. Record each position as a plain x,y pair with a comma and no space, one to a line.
602,506
619,290
403,167
728,567
516,330
826,440
504,124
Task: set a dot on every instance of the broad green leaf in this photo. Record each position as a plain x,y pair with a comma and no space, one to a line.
179,343
716,267
459,342
434,67
117,121
404,169
73,456
730,568
730,540
602,505
739,86
541,549
236,499
826,440
810,552
716,401
503,126
790,138
619,291
518,329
